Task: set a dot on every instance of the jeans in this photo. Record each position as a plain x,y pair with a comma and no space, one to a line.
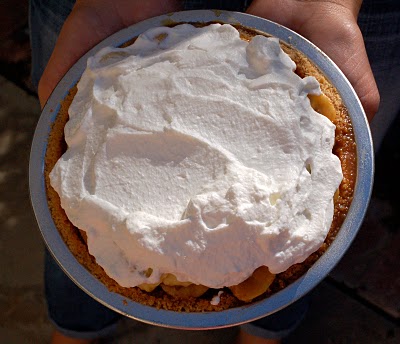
86,318
379,21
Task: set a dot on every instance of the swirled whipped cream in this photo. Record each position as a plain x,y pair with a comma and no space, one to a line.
195,153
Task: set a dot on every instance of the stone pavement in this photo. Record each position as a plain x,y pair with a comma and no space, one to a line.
359,302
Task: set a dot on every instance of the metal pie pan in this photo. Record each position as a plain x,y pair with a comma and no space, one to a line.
234,316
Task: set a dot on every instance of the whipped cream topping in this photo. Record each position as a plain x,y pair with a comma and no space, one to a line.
196,153
216,299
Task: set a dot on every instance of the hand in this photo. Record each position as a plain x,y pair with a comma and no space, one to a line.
90,22
332,26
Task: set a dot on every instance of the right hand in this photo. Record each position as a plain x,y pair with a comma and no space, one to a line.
332,26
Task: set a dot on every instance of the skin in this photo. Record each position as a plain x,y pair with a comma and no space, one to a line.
58,338
89,23
246,338
330,24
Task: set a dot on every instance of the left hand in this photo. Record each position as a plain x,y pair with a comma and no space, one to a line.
90,22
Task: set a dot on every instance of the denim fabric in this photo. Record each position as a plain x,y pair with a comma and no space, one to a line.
72,311
78,315
379,22
280,324
46,18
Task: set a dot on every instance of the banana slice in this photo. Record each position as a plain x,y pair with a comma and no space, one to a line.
322,104
192,290
171,285
171,280
148,287
257,284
